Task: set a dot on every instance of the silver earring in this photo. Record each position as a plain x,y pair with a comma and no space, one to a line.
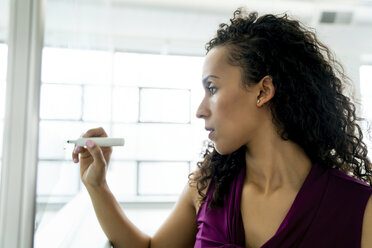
258,101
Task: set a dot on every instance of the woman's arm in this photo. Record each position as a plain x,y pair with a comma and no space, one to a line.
180,228
115,224
367,226
178,231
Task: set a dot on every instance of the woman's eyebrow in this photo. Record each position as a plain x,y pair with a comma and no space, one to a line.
207,77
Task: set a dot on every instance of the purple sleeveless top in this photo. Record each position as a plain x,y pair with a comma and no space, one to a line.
327,212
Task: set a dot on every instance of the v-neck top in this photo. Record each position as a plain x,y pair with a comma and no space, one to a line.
327,212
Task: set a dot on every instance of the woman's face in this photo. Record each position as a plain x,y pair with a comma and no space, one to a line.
227,108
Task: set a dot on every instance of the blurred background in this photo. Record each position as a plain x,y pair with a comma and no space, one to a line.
134,68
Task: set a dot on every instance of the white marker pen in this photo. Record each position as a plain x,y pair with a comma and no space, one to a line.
101,141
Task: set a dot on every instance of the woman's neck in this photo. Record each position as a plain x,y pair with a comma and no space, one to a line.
273,164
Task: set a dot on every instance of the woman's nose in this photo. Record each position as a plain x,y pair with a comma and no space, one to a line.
202,111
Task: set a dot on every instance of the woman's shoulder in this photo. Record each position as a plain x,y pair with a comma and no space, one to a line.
353,196
194,193
344,190
343,179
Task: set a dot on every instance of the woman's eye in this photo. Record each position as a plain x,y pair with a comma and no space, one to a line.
212,89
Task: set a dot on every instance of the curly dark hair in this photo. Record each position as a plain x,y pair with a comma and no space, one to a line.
308,108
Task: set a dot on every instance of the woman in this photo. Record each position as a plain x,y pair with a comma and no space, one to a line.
285,144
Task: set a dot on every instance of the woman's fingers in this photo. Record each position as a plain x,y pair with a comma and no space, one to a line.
75,153
95,132
96,153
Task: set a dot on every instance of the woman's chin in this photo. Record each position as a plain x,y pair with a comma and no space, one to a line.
224,150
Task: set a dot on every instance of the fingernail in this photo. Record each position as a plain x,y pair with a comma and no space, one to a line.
77,149
76,160
90,143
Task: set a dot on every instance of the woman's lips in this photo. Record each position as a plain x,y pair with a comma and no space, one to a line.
211,133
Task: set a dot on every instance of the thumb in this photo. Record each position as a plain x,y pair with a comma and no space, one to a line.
96,152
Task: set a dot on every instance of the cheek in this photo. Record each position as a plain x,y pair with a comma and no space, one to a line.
233,106
238,118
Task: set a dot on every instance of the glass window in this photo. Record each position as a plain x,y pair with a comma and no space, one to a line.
366,94
54,134
154,70
76,66
2,98
151,141
155,122
1,141
165,105
4,17
57,180
97,103
145,98
365,79
155,178
60,102
122,179
3,69
125,104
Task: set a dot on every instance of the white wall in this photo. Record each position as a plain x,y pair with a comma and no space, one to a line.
184,29
175,31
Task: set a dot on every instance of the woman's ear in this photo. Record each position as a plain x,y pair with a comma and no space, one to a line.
266,90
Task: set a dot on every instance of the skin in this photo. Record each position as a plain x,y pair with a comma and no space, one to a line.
276,169
238,120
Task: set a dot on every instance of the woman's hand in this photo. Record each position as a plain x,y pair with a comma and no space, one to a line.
93,159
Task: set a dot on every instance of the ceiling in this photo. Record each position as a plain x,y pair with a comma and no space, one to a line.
309,11
227,5
182,26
